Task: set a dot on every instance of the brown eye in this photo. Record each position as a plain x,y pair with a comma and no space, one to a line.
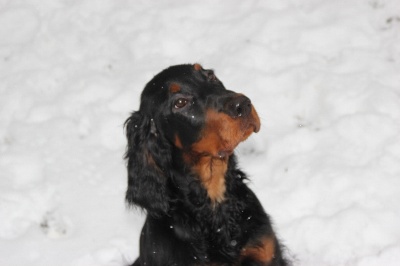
180,103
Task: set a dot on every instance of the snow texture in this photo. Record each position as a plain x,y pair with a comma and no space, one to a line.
324,76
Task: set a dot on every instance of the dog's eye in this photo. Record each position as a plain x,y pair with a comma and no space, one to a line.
180,103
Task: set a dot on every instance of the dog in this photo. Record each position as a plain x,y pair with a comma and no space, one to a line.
183,172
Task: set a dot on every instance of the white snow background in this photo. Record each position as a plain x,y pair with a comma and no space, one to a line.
324,76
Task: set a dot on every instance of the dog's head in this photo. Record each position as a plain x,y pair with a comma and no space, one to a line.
185,114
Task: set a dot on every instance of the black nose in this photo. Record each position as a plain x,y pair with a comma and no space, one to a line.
239,106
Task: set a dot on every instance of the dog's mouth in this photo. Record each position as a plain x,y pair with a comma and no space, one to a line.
253,126
223,133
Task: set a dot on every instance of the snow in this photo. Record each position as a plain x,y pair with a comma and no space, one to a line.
323,75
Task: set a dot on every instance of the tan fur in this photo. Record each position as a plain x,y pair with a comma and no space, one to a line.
209,155
174,88
262,252
197,67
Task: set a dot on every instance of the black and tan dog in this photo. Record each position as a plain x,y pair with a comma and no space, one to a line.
182,170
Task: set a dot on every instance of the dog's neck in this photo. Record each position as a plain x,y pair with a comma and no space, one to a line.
211,173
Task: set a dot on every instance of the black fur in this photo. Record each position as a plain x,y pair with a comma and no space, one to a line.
184,227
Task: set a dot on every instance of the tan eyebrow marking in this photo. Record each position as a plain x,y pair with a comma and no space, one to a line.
197,67
174,88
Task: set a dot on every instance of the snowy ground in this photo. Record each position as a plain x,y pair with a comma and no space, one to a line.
324,76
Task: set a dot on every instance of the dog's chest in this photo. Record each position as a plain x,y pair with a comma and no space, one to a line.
214,232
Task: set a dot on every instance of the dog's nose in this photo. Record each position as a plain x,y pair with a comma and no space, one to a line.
239,106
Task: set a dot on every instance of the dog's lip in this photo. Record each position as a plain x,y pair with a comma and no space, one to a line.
255,120
255,123
256,127
225,152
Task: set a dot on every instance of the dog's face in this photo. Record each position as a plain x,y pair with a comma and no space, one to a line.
187,123
197,114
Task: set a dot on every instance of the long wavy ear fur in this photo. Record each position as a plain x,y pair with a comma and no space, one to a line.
148,156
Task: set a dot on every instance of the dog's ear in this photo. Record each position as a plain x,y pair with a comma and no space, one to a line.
148,156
